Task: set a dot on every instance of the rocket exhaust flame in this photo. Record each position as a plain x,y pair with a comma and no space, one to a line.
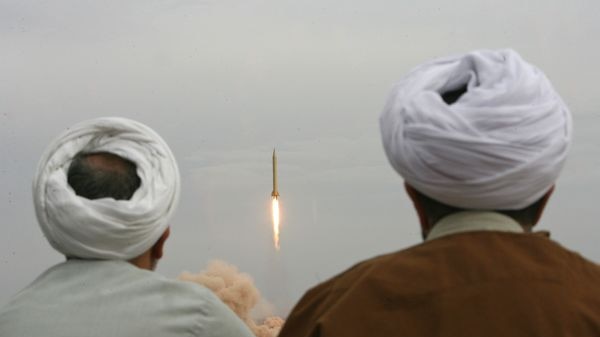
275,203
275,207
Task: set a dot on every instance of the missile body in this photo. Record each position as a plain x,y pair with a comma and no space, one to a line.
275,193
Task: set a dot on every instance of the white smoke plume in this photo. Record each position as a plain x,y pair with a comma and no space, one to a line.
237,290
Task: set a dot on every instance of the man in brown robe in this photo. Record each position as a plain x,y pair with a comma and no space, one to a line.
480,140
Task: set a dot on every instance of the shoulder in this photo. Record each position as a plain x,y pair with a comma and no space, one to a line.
360,270
207,314
119,292
574,264
304,320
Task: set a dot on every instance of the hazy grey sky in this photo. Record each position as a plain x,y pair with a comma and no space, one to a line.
226,81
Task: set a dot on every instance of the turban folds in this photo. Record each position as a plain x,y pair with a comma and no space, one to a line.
106,228
501,145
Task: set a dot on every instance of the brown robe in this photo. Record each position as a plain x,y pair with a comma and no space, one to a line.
469,284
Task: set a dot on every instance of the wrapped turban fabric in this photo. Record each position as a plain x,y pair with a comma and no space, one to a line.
106,228
500,146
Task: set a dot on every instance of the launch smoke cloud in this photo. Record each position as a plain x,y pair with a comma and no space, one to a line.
236,290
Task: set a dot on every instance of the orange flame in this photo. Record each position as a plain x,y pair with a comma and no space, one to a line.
275,207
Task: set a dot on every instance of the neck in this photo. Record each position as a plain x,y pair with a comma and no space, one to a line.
468,221
527,226
144,261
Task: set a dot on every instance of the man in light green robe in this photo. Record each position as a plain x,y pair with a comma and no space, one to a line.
104,193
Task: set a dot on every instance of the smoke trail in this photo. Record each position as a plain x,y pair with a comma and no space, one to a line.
237,290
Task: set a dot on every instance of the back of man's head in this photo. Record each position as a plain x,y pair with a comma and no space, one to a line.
103,175
480,131
106,189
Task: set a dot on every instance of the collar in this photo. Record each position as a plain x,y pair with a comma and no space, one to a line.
469,221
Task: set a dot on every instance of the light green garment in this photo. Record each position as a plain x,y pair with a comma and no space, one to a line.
82,298
469,221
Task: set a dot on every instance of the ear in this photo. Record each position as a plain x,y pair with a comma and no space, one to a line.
414,196
542,205
157,249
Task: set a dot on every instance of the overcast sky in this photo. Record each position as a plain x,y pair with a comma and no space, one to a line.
226,81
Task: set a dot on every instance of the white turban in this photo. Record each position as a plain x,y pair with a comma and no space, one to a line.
106,228
501,145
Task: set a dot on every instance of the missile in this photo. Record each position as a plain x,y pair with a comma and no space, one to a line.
275,193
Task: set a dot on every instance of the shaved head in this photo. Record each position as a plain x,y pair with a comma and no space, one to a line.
103,175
